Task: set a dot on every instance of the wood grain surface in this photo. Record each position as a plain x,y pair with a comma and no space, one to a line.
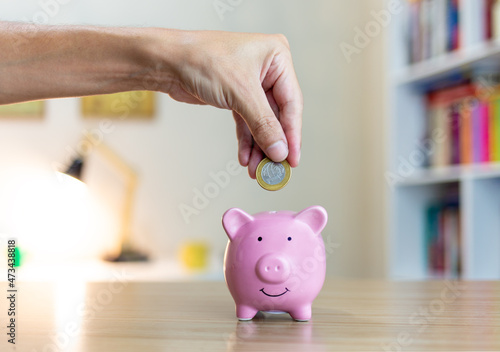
199,316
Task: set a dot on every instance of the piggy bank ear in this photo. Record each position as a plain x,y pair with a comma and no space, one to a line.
315,217
233,220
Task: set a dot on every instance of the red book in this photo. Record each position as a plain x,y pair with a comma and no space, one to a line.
451,95
449,100
455,122
488,16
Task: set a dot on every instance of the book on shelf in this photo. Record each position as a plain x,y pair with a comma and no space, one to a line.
467,121
442,239
436,27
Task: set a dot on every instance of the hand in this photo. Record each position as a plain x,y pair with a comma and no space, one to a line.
250,74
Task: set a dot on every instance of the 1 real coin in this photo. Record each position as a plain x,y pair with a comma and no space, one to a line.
273,176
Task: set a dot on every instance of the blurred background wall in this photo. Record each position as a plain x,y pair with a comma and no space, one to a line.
343,157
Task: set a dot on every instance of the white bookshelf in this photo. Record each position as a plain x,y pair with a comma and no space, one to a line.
478,185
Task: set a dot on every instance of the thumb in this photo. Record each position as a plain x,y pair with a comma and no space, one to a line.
264,125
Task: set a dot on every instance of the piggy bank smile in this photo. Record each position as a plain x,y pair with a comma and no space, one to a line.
275,261
269,295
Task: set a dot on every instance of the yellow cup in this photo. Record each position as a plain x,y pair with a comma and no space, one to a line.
194,255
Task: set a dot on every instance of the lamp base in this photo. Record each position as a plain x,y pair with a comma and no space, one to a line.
128,255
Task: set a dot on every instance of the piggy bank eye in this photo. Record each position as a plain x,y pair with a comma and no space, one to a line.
259,239
289,238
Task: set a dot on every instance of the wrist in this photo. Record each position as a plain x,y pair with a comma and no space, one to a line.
161,53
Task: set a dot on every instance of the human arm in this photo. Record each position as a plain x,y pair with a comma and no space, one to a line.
250,74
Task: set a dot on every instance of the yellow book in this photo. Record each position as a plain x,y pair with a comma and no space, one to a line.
494,128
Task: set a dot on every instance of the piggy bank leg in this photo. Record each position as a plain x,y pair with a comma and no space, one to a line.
245,312
302,313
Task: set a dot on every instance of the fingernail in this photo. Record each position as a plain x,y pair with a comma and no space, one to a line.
277,151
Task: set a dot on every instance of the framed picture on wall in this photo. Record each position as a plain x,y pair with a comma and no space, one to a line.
123,106
32,109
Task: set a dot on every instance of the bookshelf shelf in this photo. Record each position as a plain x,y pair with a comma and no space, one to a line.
453,173
475,187
479,56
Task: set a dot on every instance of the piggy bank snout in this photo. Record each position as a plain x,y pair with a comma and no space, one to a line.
273,268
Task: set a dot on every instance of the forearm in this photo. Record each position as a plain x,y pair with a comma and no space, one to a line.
41,62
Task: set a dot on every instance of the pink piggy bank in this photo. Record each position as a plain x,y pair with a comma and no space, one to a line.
275,261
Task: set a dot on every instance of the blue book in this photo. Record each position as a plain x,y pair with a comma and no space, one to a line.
431,237
453,25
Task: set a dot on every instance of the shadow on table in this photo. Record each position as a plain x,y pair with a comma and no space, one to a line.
276,331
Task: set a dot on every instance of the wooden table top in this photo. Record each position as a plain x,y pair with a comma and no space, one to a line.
199,316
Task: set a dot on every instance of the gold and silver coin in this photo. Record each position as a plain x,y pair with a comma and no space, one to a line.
273,176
